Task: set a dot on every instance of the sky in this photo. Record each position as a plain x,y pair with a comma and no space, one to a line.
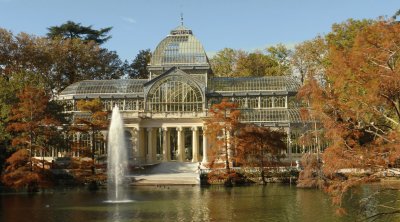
239,24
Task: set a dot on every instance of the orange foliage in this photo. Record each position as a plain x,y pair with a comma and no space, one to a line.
359,104
220,131
18,175
259,147
95,121
30,120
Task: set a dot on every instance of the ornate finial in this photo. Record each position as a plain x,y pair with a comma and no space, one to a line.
181,18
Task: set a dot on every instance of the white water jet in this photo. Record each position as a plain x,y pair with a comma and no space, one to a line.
117,159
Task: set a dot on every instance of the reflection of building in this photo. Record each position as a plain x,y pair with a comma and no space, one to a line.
164,114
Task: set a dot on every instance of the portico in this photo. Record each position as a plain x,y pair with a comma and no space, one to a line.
153,143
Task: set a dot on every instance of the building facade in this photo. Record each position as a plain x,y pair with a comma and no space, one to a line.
164,115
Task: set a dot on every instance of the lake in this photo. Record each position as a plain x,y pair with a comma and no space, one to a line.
274,202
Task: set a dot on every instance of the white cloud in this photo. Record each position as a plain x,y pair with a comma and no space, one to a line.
129,20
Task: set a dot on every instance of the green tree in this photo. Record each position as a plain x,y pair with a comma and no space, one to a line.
138,68
282,55
72,30
58,63
224,63
310,58
344,34
258,64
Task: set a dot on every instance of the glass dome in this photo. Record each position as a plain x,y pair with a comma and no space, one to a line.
179,48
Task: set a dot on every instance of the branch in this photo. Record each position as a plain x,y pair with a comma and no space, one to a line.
388,118
377,134
375,216
393,103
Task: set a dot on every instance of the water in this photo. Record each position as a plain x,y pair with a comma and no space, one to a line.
117,161
274,202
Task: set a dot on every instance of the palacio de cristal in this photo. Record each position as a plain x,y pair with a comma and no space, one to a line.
164,116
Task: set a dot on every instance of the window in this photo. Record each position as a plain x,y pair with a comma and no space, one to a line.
174,95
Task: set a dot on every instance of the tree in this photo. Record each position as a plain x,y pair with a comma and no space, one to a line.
139,65
394,17
31,123
257,64
259,147
309,58
221,129
282,55
230,62
72,30
56,62
18,173
92,123
224,63
344,34
359,105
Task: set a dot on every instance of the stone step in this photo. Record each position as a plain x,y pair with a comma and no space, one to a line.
170,181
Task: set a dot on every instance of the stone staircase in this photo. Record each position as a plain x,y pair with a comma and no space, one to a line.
168,173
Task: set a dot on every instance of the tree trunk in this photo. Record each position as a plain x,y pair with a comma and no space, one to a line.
30,151
93,168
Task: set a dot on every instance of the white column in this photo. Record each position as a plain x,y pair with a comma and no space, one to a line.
205,147
229,144
166,153
149,158
195,144
135,151
181,144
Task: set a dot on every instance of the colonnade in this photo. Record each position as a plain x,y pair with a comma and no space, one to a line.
158,144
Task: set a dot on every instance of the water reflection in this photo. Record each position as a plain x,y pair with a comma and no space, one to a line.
273,202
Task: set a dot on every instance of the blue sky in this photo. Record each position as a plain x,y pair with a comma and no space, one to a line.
238,24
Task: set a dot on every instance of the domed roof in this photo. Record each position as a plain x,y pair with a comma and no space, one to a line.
180,47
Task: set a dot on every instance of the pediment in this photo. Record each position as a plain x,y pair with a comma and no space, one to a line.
173,72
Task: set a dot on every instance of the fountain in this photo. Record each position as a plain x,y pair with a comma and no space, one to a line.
117,161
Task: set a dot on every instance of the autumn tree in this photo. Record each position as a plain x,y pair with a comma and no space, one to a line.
259,147
31,124
18,174
8,98
91,121
221,129
359,105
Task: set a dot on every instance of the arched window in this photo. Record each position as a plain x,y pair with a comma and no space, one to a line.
174,94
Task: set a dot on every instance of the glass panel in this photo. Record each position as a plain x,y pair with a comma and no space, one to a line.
173,95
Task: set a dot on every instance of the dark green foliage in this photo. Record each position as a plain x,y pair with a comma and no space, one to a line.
72,30
138,68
